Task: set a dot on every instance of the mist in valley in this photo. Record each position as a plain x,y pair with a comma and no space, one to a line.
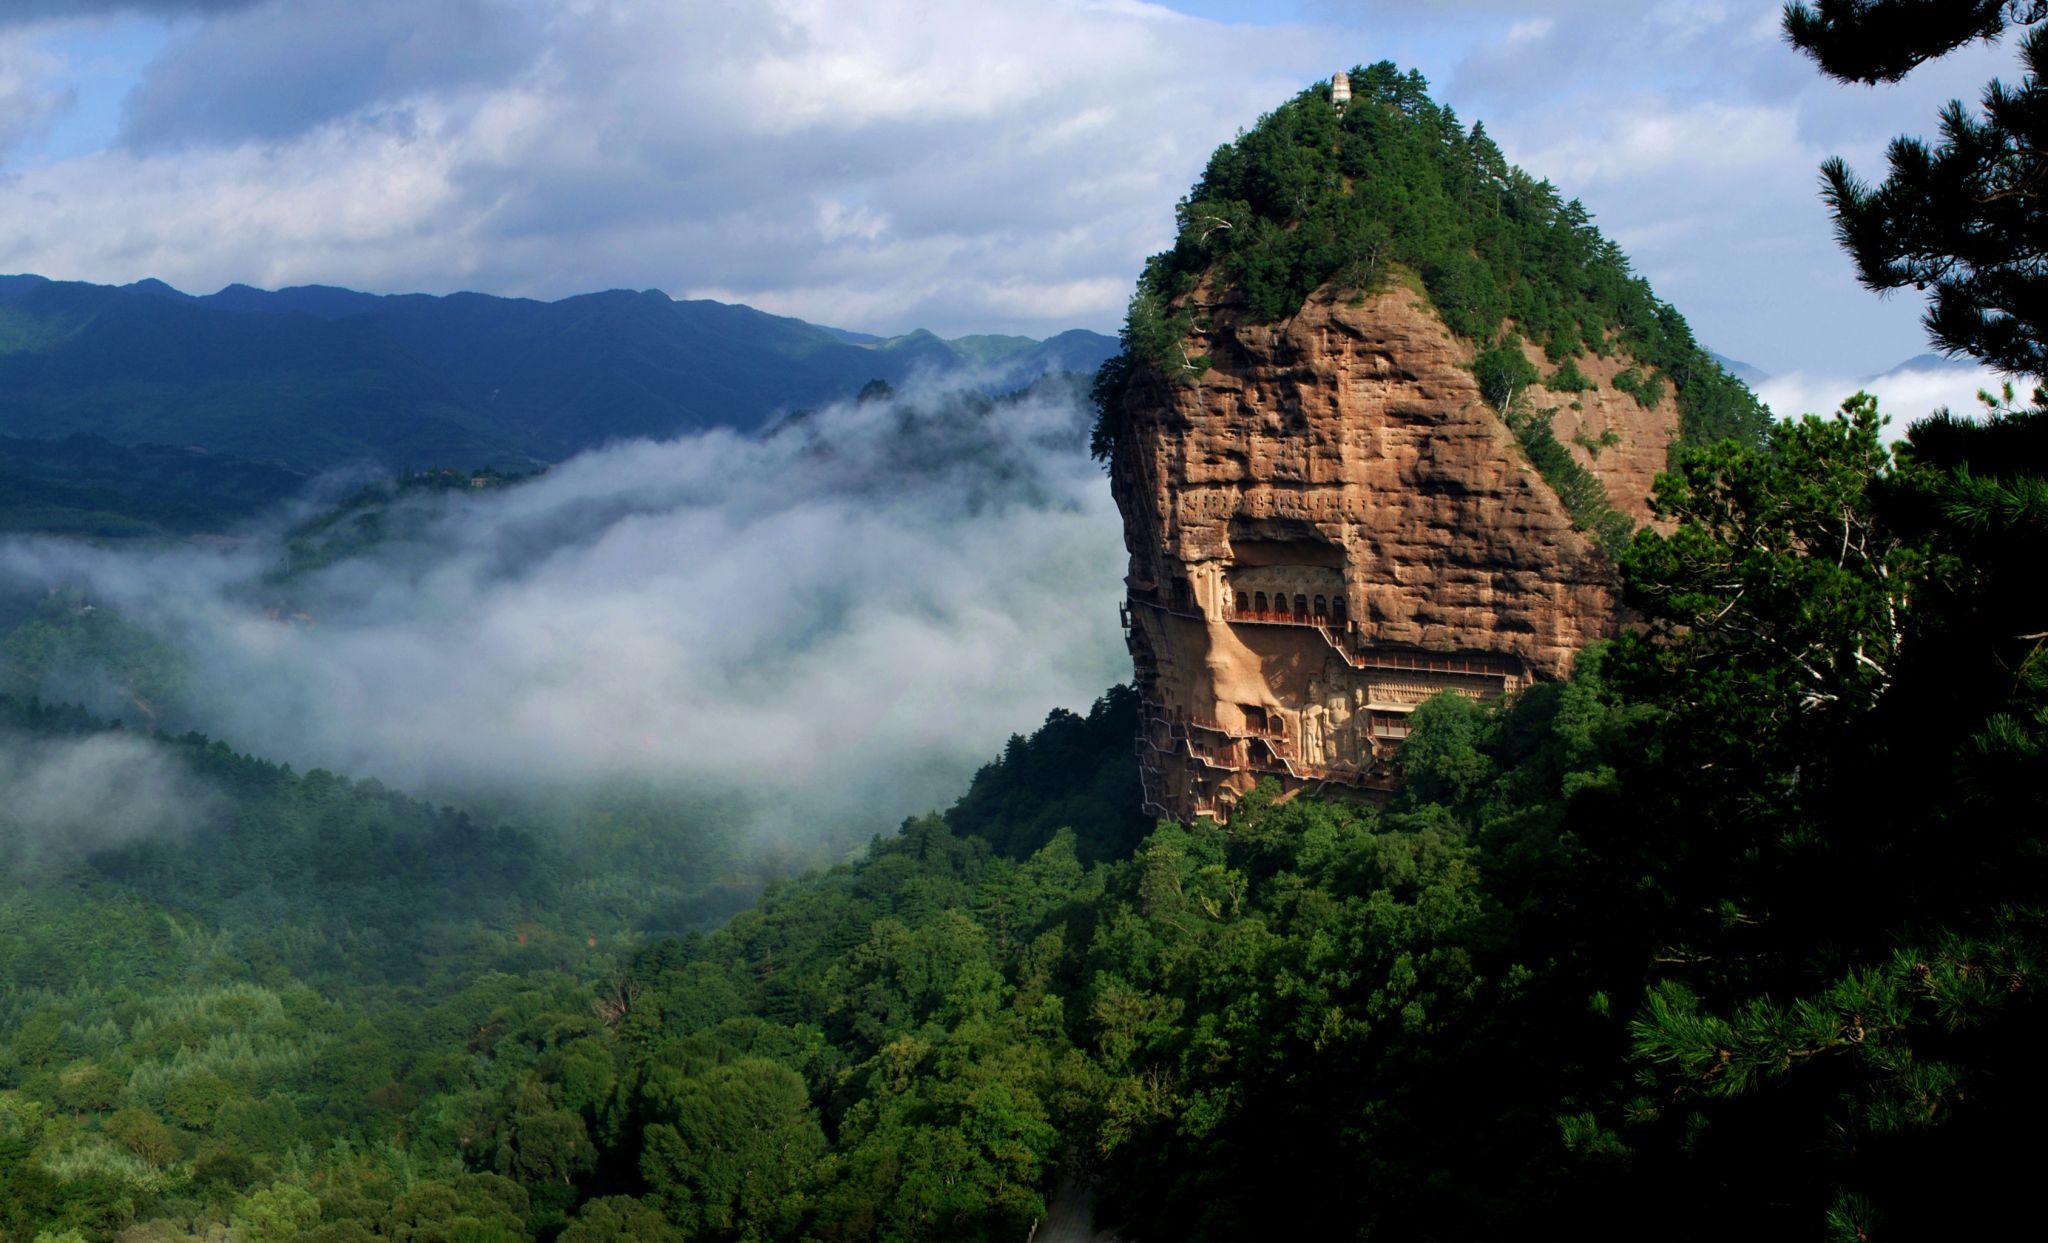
67,797
809,634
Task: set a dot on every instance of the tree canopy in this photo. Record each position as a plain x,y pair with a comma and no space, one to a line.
1396,183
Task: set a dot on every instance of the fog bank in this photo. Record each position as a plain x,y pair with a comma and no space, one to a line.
62,798
1908,393
842,619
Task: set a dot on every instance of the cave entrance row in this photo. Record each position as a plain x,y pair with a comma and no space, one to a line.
1301,607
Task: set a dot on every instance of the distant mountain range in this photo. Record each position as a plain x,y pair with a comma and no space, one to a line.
315,376
1753,376
1930,362
1742,371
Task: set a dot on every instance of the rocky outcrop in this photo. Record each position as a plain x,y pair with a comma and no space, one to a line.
1614,435
1329,525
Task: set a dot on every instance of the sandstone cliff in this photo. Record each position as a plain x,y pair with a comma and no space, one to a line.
1331,524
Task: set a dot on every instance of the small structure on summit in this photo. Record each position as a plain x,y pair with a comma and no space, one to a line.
1330,522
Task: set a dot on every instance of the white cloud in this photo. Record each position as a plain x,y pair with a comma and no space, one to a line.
964,167
1004,165
31,91
1718,141
1907,394
847,618
64,797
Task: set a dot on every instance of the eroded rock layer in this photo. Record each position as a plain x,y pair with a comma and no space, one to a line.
1330,525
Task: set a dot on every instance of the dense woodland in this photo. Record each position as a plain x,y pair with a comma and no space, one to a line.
1737,933
86,486
1547,989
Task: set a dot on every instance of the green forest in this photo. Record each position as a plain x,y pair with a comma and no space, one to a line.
1546,989
1738,932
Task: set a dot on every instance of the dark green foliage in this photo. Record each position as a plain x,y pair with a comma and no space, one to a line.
304,1011
1580,491
1851,886
1674,931
360,867
323,1010
1647,389
1069,775
84,485
1872,41
1106,393
1309,197
1960,218
619,1219
735,1144
1675,925
1567,378
1503,372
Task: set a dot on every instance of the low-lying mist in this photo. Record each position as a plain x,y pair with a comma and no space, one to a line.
1907,393
836,622
62,798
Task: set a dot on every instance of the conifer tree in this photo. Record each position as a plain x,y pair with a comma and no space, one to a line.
1872,41
1963,218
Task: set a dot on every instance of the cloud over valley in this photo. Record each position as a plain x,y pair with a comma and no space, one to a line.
61,797
840,620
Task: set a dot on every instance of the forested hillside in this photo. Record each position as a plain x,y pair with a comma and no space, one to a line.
1737,932
299,1006
1547,989
232,986
313,377
88,486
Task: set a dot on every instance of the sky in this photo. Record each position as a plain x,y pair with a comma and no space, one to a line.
999,166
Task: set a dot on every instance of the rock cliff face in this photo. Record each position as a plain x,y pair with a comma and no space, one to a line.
1623,442
1330,525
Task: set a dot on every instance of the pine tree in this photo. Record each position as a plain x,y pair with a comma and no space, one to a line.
1965,217
1873,41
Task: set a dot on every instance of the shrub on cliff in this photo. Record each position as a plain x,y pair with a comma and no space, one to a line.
1503,372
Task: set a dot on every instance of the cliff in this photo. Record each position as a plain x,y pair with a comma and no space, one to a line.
1333,513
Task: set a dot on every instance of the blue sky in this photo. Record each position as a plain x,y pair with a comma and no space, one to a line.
1000,166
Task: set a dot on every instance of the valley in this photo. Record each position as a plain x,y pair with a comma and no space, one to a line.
1401,741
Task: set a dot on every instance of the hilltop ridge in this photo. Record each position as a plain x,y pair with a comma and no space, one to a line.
313,376
1391,186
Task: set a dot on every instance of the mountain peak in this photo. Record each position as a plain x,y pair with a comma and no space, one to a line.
151,285
1383,406
1392,187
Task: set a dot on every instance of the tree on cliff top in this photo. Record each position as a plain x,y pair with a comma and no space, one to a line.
1313,196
